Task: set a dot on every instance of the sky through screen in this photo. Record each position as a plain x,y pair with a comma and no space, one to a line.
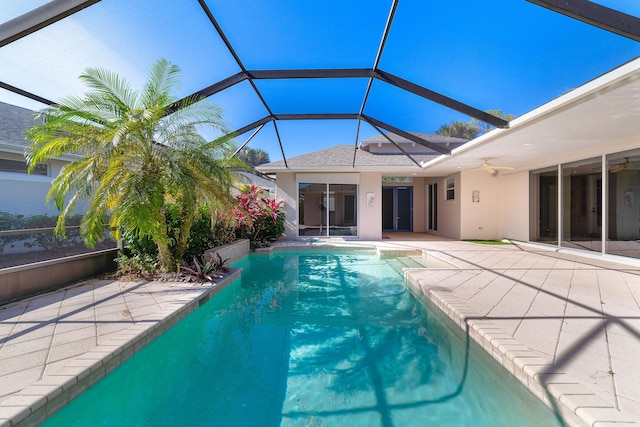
509,55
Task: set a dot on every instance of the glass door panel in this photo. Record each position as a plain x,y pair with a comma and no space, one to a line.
623,200
582,205
311,209
397,208
545,206
342,212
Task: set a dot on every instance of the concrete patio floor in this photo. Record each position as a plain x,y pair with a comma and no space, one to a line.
566,324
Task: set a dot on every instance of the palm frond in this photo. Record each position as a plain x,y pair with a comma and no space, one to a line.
111,87
163,79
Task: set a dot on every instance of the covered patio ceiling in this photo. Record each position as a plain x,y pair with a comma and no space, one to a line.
296,78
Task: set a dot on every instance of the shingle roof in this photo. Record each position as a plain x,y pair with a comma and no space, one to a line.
13,122
436,139
341,156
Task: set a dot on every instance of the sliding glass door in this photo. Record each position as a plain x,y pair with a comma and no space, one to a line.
582,204
596,207
544,188
623,200
327,209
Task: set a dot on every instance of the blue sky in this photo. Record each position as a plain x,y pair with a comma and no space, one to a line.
495,54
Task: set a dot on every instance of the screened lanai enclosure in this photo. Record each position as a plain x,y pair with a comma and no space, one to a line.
297,77
351,70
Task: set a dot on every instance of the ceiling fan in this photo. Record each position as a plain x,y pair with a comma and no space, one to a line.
493,170
622,166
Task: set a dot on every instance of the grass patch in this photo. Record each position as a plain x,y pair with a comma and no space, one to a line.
489,242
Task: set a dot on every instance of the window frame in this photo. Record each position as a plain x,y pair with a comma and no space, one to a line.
450,188
21,167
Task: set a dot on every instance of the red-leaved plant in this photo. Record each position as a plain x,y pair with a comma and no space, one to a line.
259,218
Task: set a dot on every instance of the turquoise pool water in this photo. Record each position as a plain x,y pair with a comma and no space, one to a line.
310,339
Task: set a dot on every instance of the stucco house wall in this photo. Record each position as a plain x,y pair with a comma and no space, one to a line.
449,211
25,194
478,219
513,207
287,193
370,217
500,208
419,204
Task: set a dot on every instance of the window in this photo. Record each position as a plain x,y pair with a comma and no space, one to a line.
327,209
450,193
20,166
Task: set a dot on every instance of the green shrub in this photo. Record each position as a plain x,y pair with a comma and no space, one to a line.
137,266
205,234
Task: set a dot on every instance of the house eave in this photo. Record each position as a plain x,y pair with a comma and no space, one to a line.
591,90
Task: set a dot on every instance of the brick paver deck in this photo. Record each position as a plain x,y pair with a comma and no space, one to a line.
566,324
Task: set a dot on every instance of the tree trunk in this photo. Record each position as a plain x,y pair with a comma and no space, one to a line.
183,237
165,257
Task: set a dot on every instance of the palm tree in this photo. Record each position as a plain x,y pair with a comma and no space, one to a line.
253,156
136,152
486,127
459,129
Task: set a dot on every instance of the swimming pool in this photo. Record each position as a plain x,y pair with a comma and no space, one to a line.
310,339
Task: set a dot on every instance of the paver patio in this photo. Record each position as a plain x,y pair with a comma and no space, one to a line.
566,324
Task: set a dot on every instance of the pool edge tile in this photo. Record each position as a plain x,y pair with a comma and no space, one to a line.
83,371
525,364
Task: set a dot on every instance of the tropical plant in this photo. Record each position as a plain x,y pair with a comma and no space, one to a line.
486,127
136,152
206,233
220,264
253,156
206,270
224,228
136,266
259,217
459,129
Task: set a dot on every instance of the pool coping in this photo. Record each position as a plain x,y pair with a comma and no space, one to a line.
40,400
565,395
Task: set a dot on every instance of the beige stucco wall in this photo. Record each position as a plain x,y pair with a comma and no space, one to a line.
513,212
370,217
419,205
26,194
287,192
502,210
478,220
503,207
449,211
